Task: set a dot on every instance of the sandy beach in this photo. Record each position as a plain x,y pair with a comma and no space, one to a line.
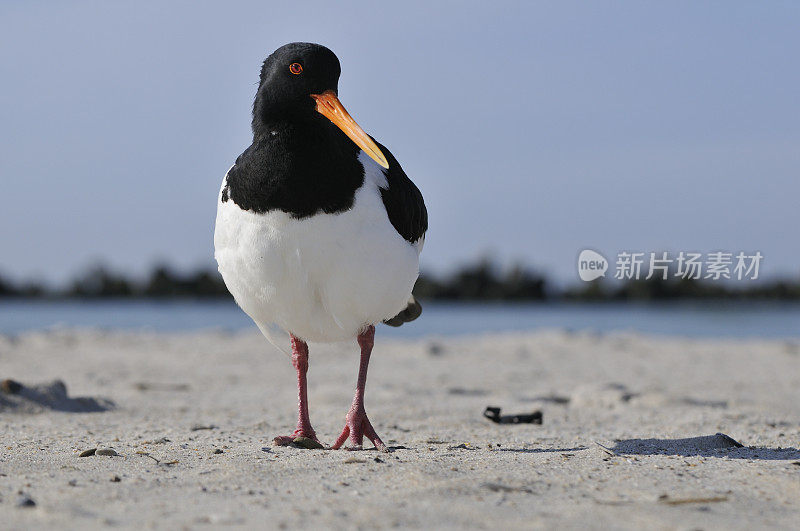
191,416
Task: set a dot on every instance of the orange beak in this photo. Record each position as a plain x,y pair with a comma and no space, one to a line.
331,108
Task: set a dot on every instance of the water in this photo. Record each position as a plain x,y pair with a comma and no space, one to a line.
731,320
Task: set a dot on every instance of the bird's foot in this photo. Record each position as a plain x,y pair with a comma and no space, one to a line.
303,438
357,425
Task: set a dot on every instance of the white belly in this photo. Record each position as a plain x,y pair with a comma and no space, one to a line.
322,278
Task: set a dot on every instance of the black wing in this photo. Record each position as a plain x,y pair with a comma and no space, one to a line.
403,201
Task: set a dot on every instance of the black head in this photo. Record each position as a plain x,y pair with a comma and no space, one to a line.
288,78
299,85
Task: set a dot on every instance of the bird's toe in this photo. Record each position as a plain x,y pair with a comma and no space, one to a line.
357,426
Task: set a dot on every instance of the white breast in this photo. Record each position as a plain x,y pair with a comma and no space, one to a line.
321,278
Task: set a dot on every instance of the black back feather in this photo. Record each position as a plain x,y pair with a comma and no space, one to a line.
403,201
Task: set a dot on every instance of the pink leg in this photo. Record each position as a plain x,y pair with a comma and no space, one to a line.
300,363
357,425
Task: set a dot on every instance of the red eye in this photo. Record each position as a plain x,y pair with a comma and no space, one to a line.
296,68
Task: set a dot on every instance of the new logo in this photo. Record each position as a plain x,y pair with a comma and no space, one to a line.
591,265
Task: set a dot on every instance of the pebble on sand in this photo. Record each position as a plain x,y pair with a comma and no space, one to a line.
199,427
10,387
106,451
25,501
308,444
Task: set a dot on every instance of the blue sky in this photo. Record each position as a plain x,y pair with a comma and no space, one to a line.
534,129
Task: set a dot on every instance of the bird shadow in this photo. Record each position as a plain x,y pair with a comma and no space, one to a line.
53,397
719,445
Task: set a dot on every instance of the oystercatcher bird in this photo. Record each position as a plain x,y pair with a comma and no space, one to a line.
318,229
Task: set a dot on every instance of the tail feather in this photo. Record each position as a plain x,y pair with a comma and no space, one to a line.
411,312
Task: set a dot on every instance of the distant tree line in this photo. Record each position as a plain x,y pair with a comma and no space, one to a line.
99,282
479,281
484,281
657,289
